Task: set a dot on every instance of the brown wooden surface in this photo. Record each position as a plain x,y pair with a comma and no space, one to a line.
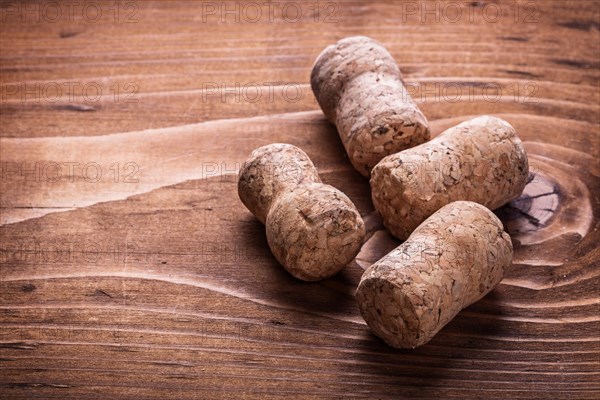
158,283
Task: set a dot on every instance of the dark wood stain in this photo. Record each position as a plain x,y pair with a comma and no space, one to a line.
581,25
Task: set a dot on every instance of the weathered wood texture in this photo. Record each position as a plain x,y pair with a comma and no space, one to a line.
157,283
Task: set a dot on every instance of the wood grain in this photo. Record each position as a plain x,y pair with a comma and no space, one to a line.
153,280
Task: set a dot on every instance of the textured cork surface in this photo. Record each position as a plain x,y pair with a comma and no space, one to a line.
480,160
359,88
450,261
313,229
269,171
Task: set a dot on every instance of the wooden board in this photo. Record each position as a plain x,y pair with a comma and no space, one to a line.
130,269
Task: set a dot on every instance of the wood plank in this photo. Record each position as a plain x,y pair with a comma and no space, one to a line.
153,281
